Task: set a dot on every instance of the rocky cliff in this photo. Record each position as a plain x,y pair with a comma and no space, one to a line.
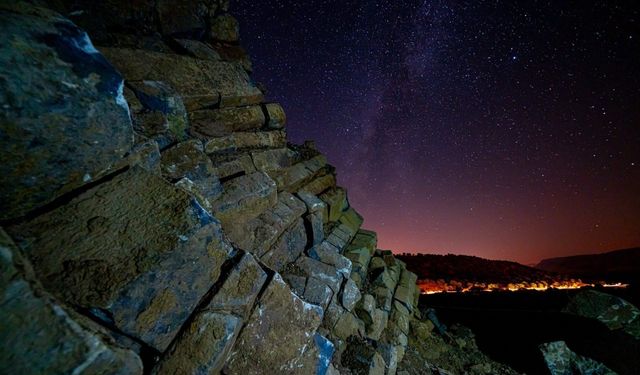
154,218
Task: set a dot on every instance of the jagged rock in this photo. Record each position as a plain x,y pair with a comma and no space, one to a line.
389,354
187,163
245,197
64,120
365,307
347,325
276,118
157,111
224,121
298,174
329,275
562,361
287,248
186,159
145,154
351,220
404,295
333,313
40,336
277,335
203,347
316,229
401,316
329,254
361,358
200,83
359,251
246,140
297,284
241,287
239,165
379,320
225,28
612,311
313,203
272,161
146,279
336,199
318,293
350,294
320,184
259,235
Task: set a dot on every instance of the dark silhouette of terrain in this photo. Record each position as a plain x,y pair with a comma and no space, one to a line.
471,268
615,266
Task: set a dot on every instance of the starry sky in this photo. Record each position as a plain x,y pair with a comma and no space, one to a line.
506,129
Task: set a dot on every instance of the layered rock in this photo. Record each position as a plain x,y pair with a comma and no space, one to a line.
152,190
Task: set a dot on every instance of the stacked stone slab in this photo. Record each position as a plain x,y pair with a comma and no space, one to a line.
180,233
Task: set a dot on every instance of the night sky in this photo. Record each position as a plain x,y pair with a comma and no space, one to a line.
502,129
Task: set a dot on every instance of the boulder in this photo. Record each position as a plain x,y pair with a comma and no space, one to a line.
244,198
239,290
318,293
351,221
187,163
319,184
41,336
64,119
350,294
325,273
336,200
379,319
313,203
347,325
134,251
276,118
287,248
277,336
562,361
294,177
224,121
260,234
329,254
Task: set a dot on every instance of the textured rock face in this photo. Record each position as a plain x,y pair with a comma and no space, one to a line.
56,339
279,316
141,261
65,119
198,238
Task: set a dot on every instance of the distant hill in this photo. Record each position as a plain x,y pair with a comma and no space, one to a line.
619,265
470,268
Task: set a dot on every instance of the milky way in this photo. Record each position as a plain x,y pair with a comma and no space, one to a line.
503,129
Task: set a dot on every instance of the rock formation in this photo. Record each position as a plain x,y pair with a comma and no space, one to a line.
154,218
